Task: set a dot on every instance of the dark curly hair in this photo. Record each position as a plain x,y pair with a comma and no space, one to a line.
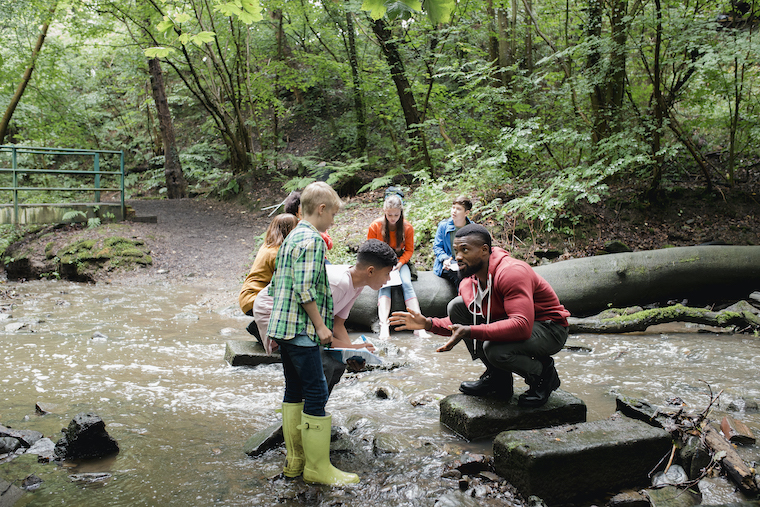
374,252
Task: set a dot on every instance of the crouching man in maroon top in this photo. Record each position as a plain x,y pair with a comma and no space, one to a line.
508,316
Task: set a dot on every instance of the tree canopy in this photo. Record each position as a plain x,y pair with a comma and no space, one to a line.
533,104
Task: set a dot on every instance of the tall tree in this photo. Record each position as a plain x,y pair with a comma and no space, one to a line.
27,75
176,184
391,51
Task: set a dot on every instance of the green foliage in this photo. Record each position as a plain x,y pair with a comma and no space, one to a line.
74,216
334,173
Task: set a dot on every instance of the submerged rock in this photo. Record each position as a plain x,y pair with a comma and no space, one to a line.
86,437
670,496
263,440
578,461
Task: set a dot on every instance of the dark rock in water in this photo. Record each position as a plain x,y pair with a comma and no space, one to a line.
42,408
695,456
670,496
577,461
628,498
26,437
9,444
263,440
754,299
90,477
474,417
642,410
86,437
10,493
744,405
31,483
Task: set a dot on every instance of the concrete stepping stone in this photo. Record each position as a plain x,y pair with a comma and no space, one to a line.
567,463
248,353
474,417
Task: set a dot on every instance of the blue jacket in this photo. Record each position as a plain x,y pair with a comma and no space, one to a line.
442,243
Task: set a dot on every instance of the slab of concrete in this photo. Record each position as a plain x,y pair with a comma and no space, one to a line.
569,463
9,493
474,417
263,440
248,353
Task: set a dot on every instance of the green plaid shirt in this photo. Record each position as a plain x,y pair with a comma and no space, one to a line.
300,277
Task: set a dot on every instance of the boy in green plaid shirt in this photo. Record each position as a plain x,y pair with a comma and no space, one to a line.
301,321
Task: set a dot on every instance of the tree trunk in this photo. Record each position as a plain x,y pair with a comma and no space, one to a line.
700,274
587,286
598,94
361,121
616,88
176,185
26,77
404,90
658,105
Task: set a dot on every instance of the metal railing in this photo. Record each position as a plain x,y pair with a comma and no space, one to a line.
28,168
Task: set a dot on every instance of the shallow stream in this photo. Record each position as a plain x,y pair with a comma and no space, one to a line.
150,361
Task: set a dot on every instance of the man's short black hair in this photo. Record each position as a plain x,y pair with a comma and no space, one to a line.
476,230
374,252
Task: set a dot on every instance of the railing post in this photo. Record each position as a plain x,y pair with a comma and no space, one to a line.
121,165
15,185
97,176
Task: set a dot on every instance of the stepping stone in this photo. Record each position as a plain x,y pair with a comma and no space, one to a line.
263,440
248,353
577,461
474,417
10,493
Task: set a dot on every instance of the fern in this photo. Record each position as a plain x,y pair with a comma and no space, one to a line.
74,216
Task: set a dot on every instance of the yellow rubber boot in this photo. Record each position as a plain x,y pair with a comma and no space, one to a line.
315,435
291,419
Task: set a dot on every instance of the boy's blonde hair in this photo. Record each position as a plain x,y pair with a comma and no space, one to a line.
318,193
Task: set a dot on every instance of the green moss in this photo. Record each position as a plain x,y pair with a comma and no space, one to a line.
690,259
132,252
49,253
726,317
667,312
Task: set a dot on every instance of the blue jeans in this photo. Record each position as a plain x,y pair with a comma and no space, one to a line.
406,285
304,379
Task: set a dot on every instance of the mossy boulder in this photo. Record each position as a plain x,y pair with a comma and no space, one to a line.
80,259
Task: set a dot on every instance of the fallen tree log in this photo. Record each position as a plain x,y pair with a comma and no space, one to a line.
741,315
700,274
731,463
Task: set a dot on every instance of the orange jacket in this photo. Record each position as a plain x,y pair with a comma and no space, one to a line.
376,232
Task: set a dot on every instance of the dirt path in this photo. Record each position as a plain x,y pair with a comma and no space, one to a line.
196,241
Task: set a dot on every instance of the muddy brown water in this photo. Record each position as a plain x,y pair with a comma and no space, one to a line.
149,360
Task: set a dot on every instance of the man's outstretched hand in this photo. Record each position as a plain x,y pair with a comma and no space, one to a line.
458,332
408,320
